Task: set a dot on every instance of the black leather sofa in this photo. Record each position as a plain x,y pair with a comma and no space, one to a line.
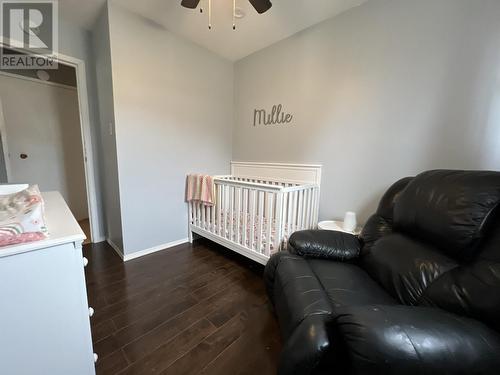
417,293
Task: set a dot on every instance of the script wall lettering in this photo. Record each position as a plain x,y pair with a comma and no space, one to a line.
275,117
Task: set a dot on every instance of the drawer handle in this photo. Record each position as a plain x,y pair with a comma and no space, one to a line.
96,357
91,312
85,262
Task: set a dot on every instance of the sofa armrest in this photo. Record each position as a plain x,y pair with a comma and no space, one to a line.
307,350
414,340
325,244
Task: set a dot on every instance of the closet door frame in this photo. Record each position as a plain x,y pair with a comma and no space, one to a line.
88,153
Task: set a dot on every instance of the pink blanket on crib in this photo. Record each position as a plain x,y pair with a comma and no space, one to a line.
200,188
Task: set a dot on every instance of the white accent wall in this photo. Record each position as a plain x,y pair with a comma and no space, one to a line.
173,113
382,91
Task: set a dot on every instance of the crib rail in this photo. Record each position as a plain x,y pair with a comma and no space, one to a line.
257,184
255,216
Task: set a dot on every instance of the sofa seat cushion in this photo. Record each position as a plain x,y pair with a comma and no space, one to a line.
346,284
301,288
394,340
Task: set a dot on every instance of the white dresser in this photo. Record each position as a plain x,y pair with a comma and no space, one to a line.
44,314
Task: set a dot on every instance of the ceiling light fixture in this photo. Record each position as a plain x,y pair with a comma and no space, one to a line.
43,75
261,6
239,13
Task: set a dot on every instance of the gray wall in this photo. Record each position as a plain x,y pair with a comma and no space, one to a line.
108,154
382,91
173,104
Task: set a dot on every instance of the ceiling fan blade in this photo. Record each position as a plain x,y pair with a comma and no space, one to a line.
192,4
261,6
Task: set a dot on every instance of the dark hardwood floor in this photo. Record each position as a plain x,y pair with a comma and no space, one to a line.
192,309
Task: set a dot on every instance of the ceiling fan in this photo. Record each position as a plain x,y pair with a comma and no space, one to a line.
260,6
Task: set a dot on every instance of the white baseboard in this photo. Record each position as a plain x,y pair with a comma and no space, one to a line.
154,249
115,247
144,252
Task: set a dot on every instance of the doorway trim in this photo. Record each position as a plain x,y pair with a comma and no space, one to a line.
3,137
86,133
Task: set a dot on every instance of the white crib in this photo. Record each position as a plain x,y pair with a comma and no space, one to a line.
255,216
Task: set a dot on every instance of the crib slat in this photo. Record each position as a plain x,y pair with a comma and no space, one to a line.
304,208
197,214
212,217
260,220
316,207
286,216
289,213
313,195
224,209
231,212
202,208
209,218
238,215
245,217
311,208
300,209
294,216
251,240
269,223
307,208
218,222
206,209
280,207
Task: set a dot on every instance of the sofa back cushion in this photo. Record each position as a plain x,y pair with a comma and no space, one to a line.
448,209
472,289
406,267
380,223
443,247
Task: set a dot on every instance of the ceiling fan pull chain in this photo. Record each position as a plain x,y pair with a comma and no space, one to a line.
234,14
209,14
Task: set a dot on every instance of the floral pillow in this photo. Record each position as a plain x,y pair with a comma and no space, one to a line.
22,217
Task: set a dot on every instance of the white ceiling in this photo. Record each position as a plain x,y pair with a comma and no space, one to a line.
253,32
82,13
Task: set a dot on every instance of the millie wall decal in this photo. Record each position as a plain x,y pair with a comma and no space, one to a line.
276,117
